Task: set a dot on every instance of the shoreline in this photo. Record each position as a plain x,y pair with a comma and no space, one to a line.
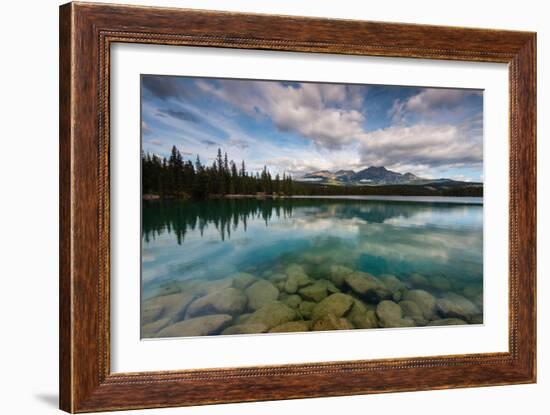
467,200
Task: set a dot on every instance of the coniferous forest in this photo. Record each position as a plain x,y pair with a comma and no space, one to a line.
178,178
175,177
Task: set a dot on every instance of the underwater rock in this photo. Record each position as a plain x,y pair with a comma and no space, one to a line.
293,300
397,296
198,326
241,318
336,304
447,322
227,301
297,278
389,313
315,292
305,309
242,280
260,293
424,300
172,306
272,314
331,322
361,317
472,291
331,288
440,283
393,283
291,326
291,286
216,285
149,330
454,305
202,287
277,277
152,309
337,273
418,281
171,288
368,286
246,328
294,269
412,310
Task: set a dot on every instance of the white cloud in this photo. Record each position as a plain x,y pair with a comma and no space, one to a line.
145,129
432,98
326,114
421,145
429,101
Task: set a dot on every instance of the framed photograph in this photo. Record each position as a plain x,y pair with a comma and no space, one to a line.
260,207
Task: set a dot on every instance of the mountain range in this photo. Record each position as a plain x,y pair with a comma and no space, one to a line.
373,176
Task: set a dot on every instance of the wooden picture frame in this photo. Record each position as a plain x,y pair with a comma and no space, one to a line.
86,33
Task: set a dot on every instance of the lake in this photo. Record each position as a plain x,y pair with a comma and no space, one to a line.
408,247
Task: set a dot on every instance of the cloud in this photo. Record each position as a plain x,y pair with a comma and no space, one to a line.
145,129
422,145
210,143
156,142
302,127
430,101
236,142
327,114
163,87
180,115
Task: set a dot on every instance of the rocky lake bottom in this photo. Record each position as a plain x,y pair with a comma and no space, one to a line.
299,298
272,266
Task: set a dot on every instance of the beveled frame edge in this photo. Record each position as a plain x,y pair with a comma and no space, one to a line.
86,33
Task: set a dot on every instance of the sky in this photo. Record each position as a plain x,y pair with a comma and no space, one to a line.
301,127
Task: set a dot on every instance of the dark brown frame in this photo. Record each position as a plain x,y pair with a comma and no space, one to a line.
86,33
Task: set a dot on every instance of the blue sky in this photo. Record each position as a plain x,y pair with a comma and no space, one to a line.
300,127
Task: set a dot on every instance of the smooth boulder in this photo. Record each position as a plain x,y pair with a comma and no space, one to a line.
447,322
305,309
272,314
226,301
337,274
440,283
198,326
246,328
150,329
454,305
424,300
291,326
368,286
390,315
361,317
260,293
292,300
418,281
412,310
318,291
242,280
171,306
336,304
331,322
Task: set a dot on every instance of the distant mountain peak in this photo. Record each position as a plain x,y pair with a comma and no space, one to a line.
372,175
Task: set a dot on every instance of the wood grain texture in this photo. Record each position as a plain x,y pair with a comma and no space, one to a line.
86,33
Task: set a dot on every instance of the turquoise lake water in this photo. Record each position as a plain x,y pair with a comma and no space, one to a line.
440,239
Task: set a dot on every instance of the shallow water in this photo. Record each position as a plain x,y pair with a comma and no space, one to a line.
439,238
